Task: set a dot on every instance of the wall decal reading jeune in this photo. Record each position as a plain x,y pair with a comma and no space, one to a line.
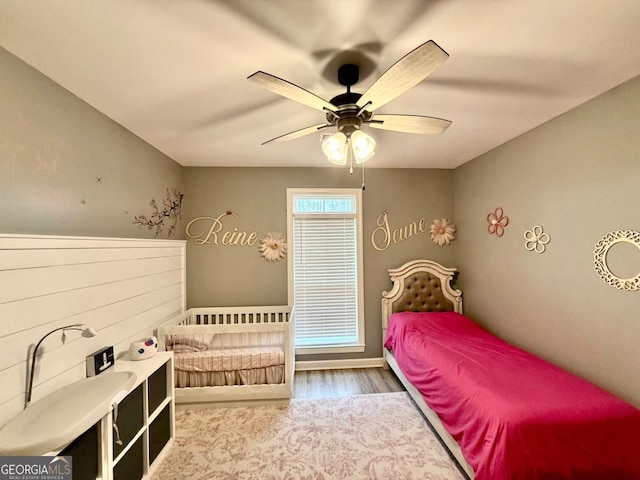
382,236
211,230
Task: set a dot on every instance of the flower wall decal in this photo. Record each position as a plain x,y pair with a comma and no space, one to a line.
536,240
497,222
442,232
272,247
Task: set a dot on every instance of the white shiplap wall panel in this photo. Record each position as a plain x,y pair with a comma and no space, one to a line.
123,288
34,282
52,242
63,306
16,344
39,257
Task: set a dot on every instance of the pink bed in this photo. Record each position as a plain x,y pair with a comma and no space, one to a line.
514,415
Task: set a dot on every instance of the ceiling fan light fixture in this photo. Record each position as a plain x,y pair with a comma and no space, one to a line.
363,146
335,148
349,111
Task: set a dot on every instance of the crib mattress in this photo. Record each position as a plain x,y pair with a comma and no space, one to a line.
229,359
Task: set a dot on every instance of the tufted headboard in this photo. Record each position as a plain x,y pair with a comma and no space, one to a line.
420,286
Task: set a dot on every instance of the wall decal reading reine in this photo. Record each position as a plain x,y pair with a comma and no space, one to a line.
210,230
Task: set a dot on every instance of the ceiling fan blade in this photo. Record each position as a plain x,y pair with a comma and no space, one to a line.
297,133
290,90
409,123
406,73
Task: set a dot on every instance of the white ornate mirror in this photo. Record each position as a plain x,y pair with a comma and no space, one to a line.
603,269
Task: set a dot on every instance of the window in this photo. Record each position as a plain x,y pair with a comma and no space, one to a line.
325,269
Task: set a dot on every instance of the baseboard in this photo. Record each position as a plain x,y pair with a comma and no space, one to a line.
339,364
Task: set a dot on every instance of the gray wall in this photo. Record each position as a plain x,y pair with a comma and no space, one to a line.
577,176
236,275
66,169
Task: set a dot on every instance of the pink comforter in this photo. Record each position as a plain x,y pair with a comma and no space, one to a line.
514,415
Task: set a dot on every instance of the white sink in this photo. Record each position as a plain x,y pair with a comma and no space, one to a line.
54,421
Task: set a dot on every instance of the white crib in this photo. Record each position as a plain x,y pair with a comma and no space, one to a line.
231,355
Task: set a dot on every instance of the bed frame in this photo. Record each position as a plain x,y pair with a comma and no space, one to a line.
423,286
215,320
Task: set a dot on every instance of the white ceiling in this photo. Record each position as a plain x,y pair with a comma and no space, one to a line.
174,72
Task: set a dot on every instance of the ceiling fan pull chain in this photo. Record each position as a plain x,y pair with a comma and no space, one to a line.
363,177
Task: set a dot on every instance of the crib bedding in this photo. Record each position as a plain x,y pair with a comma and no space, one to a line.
198,364
514,415
255,376
229,359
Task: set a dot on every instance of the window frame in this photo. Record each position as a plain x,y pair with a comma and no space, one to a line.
292,193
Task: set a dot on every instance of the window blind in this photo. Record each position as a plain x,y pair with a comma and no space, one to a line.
325,280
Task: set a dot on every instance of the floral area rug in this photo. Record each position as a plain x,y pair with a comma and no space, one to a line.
377,437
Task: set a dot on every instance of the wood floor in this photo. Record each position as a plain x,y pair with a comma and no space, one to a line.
345,382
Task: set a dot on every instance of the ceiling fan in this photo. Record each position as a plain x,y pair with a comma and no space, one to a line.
350,111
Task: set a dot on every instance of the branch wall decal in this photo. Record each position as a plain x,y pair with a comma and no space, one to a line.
171,211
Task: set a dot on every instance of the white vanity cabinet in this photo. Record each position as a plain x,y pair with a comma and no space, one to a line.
142,425
124,443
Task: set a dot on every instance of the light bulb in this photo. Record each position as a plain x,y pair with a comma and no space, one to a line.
363,146
335,148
